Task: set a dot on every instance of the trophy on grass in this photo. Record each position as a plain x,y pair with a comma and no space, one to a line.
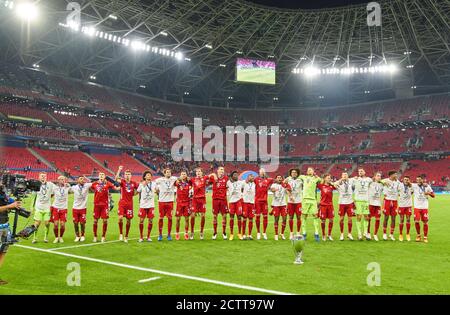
298,244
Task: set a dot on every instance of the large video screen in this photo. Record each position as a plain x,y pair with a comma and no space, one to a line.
255,71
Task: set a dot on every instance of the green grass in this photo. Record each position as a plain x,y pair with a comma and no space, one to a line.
330,267
256,75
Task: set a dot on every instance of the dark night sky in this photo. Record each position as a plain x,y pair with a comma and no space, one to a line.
307,4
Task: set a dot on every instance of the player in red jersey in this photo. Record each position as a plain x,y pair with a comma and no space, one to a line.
262,185
183,204
128,189
326,210
198,183
101,203
219,199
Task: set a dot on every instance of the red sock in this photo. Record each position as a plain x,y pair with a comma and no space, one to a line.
377,226
127,229
105,227
192,224
299,224
425,229
330,227
120,227
61,231
231,225
55,230
322,224
417,224
350,225
392,227
178,226
401,228
224,225
95,229
283,227
202,224
341,226
291,225
215,225
169,226
258,223
250,227
265,222
244,223
141,230
276,228
239,225
150,226
186,227
83,227
160,225
408,227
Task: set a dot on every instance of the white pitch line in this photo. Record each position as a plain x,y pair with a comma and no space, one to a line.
107,242
161,272
149,279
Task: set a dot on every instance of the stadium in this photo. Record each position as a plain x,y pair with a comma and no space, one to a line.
98,87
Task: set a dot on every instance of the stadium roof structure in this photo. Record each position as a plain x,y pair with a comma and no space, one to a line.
211,34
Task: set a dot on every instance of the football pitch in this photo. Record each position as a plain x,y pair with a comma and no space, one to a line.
229,267
256,75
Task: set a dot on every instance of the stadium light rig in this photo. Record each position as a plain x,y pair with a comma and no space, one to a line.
135,45
312,71
8,4
25,11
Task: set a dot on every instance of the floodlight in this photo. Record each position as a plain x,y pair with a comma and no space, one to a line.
27,11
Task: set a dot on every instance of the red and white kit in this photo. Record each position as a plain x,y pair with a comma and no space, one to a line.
101,199
127,191
166,195
60,203
80,198
183,198
219,195
146,200
390,197
199,197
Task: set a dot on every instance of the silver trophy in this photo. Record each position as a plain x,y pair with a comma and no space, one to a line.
298,244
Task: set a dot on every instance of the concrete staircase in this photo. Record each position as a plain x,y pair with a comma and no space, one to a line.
98,162
53,118
43,160
354,167
403,167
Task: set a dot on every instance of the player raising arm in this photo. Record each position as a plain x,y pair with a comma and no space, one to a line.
390,203
294,206
42,203
345,191
235,187
375,190
326,210
280,189
262,185
128,189
219,199
183,204
166,190
80,196
361,188
101,203
248,208
59,208
405,207
421,192
146,192
309,205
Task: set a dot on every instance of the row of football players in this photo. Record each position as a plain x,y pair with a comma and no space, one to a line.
242,200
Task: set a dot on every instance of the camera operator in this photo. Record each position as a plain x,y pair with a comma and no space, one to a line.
6,204
42,205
